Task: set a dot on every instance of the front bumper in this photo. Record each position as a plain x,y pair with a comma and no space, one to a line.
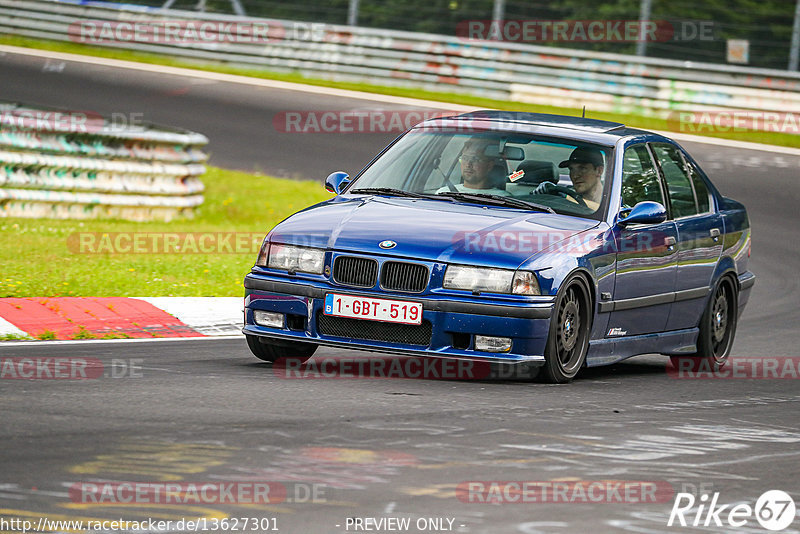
453,321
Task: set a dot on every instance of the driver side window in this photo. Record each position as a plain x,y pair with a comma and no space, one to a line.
639,178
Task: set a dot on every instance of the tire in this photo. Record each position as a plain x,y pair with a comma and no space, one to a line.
272,350
717,330
568,339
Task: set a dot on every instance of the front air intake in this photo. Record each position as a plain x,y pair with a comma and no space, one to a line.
401,276
355,271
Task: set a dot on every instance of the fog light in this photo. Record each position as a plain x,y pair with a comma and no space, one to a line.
492,344
271,319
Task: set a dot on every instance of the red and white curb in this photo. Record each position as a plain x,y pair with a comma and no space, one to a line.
121,317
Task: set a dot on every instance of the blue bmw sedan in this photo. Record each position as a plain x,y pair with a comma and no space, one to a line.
551,241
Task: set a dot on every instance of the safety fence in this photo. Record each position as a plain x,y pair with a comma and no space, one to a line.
518,72
78,165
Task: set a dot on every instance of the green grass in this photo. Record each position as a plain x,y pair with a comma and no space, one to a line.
15,337
639,121
82,333
116,335
39,260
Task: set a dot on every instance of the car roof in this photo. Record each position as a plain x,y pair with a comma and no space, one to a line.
599,131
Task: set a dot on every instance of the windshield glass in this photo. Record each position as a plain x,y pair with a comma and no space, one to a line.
567,176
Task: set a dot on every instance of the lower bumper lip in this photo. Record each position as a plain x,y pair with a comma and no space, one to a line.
371,346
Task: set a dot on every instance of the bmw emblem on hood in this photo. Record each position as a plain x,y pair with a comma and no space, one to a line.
387,244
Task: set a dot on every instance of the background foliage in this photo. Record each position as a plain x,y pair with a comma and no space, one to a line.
767,24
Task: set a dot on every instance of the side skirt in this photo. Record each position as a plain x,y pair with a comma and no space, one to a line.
608,351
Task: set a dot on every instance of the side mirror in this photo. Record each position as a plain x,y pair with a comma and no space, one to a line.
336,181
646,212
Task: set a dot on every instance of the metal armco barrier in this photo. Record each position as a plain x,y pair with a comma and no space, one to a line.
507,71
61,164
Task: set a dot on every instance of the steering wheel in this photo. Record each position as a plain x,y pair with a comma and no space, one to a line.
552,189
572,193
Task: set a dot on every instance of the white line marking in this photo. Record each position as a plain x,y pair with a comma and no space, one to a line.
730,143
344,93
8,328
210,316
232,78
744,459
102,341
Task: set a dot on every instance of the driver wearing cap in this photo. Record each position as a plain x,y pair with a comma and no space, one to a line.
585,170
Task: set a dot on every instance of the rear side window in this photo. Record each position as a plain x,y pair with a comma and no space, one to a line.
679,185
639,178
700,189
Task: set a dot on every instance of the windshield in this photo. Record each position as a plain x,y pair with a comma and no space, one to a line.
561,175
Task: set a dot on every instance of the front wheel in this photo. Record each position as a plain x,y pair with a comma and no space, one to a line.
717,330
568,339
272,350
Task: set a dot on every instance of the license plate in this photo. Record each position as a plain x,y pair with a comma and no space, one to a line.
390,311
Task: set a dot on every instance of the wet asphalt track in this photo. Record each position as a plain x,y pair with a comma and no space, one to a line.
208,411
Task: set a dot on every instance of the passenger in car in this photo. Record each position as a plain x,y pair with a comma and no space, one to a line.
480,173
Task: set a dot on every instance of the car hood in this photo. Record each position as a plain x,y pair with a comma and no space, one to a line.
428,229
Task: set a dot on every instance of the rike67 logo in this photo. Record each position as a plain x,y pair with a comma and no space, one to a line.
774,510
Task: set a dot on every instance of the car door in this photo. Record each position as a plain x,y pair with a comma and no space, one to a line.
699,229
646,256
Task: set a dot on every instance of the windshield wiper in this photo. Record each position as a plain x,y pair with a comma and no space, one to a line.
389,191
497,200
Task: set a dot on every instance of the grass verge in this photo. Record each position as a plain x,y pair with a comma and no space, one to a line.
15,337
45,257
638,121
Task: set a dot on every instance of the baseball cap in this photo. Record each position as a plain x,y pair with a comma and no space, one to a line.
584,155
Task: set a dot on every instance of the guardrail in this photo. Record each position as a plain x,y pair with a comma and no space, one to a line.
508,71
77,165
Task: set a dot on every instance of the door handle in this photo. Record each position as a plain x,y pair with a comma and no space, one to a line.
715,233
670,242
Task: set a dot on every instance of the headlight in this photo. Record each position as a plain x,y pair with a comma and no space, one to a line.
291,258
491,280
478,279
525,283
261,261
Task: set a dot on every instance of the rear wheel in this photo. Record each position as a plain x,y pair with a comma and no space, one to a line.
568,340
271,350
717,330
